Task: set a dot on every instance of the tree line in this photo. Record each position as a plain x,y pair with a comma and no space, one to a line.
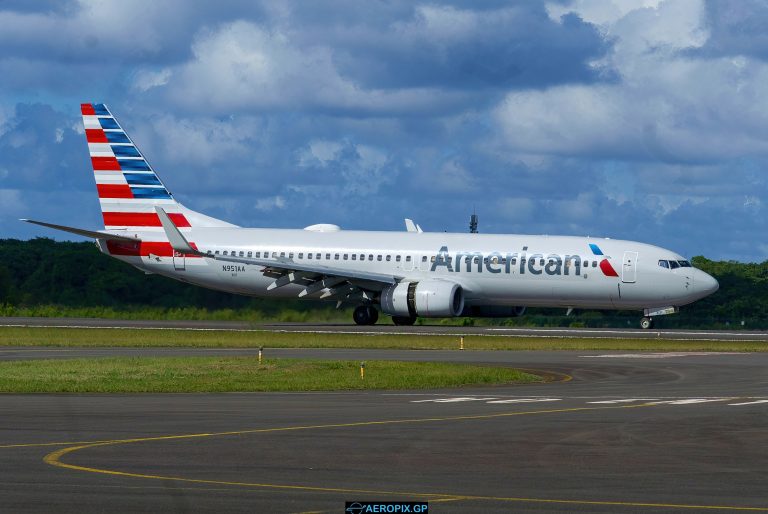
66,275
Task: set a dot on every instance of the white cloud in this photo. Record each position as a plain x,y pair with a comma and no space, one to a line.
665,105
242,65
270,203
144,80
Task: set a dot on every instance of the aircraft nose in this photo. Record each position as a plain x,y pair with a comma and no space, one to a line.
705,284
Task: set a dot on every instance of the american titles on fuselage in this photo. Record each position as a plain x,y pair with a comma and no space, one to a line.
517,262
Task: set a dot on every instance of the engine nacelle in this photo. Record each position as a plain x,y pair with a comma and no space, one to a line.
428,299
493,311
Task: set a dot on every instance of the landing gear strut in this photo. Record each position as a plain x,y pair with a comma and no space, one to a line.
365,315
646,323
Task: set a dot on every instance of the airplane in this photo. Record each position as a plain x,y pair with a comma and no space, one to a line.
404,275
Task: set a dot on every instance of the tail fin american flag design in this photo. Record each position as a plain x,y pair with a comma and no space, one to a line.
129,189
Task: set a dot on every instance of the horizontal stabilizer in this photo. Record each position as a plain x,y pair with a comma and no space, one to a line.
85,233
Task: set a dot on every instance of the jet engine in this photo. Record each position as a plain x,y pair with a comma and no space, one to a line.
428,299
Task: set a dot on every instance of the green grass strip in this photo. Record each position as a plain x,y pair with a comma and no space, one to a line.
239,374
94,337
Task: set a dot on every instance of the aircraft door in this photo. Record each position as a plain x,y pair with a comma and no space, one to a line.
179,262
629,267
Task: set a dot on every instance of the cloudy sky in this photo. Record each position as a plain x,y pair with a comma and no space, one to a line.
644,120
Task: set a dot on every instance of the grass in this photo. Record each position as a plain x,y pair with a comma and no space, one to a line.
86,337
231,374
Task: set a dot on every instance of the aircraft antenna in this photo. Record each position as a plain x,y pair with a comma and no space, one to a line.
473,223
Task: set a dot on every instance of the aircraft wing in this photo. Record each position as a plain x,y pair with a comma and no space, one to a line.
85,233
335,283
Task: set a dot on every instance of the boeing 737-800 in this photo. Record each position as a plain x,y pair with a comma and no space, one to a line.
405,274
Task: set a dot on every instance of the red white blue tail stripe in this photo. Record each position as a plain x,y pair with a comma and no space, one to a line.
128,187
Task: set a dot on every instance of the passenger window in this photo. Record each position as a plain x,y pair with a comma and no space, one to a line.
541,262
513,260
328,256
242,254
424,258
370,257
354,256
250,254
216,252
282,254
274,255
389,258
257,254
397,258
378,258
407,258
346,256
495,260
594,264
336,257
290,255
317,256
225,252
362,256
309,256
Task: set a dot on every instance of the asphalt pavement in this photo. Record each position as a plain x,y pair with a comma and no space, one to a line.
616,432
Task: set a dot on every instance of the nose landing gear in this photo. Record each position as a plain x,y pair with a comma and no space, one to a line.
365,315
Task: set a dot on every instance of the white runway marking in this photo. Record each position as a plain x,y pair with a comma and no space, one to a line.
656,355
628,400
453,400
688,401
526,400
749,403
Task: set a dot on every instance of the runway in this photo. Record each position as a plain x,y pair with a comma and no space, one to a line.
618,432
544,332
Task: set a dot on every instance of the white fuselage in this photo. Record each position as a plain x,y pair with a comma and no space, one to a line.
509,270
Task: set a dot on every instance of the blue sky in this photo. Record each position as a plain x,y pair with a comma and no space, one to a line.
643,120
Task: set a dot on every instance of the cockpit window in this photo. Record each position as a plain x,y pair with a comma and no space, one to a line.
684,264
673,264
663,264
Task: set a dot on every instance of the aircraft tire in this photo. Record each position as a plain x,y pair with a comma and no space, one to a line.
365,315
403,320
646,323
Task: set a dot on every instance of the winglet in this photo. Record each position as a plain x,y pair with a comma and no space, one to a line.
177,240
410,226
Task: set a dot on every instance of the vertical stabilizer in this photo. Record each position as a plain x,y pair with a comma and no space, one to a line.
128,187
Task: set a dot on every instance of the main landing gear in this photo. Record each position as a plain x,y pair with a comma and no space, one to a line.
646,323
365,315
403,320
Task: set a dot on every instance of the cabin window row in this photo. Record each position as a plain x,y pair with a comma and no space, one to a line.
398,258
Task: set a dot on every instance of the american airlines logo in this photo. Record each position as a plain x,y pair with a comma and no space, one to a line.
517,262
